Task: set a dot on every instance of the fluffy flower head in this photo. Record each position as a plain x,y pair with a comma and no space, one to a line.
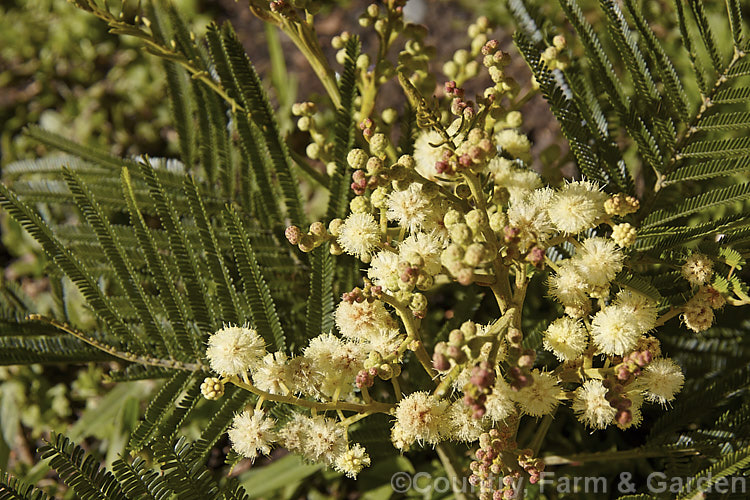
662,379
615,331
518,182
422,417
234,350
252,434
410,207
591,406
359,235
316,438
352,461
423,250
337,361
541,397
642,309
576,206
361,320
598,261
698,269
566,338
384,271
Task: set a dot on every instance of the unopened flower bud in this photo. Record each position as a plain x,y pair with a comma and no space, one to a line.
357,159
317,229
212,388
379,145
293,234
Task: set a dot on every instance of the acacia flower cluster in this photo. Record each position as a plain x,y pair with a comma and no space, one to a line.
465,207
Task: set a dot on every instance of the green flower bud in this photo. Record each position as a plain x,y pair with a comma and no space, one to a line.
357,159
373,10
559,42
359,205
313,151
363,61
304,123
475,219
331,168
477,42
378,145
461,234
457,338
418,302
514,119
407,161
389,116
450,69
461,57
379,197
307,244
364,21
317,229
471,69
452,217
341,57
373,360
374,165
335,226
336,249
425,281
498,221
474,254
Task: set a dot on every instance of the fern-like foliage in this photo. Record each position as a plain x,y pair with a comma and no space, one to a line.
681,138
166,252
180,474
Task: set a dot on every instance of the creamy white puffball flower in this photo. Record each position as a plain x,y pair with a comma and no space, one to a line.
569,288
698,269
352,461
541,397
359,235
642,309
591,406
361,320
384,271
272,374
662,379
423,250
499,404
252,434
385,341
338,362
410,207
421,417
518,182
530,217
576,206
598,261
614,331
566,338
426,155
234,350
514,143
316,438
463,426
